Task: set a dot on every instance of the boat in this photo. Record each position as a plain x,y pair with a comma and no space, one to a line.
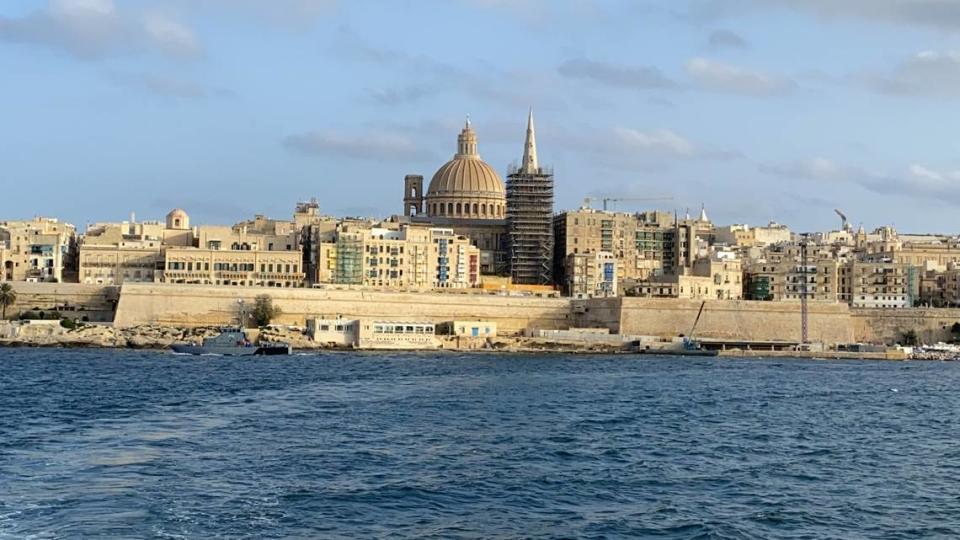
232,342
688,347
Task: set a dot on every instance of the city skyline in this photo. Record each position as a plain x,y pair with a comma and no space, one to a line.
142,106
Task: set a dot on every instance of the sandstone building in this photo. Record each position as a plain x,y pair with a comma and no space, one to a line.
41,249
399,256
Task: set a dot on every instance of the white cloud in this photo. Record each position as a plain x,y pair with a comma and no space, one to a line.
295,14
719,77
817,168
167,87
725,39
661,142
941,14
630,149
171,36
937,14
927,74
916,181
638,77
484,81
92,29
373,146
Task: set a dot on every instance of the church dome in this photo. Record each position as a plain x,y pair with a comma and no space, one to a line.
466,186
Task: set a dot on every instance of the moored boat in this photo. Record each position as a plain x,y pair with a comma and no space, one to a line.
232,342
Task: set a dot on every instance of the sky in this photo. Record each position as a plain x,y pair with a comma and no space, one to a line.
758,109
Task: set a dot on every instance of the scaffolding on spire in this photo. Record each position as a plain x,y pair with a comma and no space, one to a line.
530,216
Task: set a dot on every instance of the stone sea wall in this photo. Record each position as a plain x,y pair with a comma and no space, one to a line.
722,319
888,325
95,302
146,304
197,305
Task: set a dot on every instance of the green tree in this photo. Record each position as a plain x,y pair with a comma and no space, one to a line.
910,338
264,311
8,297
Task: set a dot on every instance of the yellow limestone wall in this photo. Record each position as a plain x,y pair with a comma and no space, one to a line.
722,319
95,301
888,325
197,305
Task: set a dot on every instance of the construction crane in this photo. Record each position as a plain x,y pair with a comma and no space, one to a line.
607,200
804,292
844,223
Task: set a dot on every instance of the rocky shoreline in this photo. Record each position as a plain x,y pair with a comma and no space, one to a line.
153,337
163,337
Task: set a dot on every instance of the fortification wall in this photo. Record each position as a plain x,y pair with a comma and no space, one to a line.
722,319
96,302
888,325
197,305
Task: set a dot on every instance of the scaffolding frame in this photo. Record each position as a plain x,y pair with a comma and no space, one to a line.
530,226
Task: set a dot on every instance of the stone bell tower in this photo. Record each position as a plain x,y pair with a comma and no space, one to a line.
412,195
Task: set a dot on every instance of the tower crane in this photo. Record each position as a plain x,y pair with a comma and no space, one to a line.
607,200
844,223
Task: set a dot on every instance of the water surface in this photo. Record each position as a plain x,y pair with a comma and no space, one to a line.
120,444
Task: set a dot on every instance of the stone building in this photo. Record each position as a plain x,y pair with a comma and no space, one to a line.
234,267
783,280
875,285
644,245
313,228
591,275
257,253
466,195
114,253
399,256
747,236
41,249
716,277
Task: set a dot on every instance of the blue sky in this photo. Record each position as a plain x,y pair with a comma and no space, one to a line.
760,109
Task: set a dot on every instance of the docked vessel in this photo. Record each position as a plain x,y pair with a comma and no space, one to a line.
232,342
688,347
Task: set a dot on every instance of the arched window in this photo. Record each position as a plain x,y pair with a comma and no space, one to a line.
442,208
459,209
474,208
450,208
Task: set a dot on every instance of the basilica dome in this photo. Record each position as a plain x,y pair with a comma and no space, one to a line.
466,186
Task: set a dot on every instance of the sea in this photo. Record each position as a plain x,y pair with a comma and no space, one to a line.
133,444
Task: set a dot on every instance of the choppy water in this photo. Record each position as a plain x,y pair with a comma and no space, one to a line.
101,444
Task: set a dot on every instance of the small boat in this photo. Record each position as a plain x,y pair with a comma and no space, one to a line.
232,342
688,347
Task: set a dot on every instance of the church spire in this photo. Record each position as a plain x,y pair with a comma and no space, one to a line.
530,164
